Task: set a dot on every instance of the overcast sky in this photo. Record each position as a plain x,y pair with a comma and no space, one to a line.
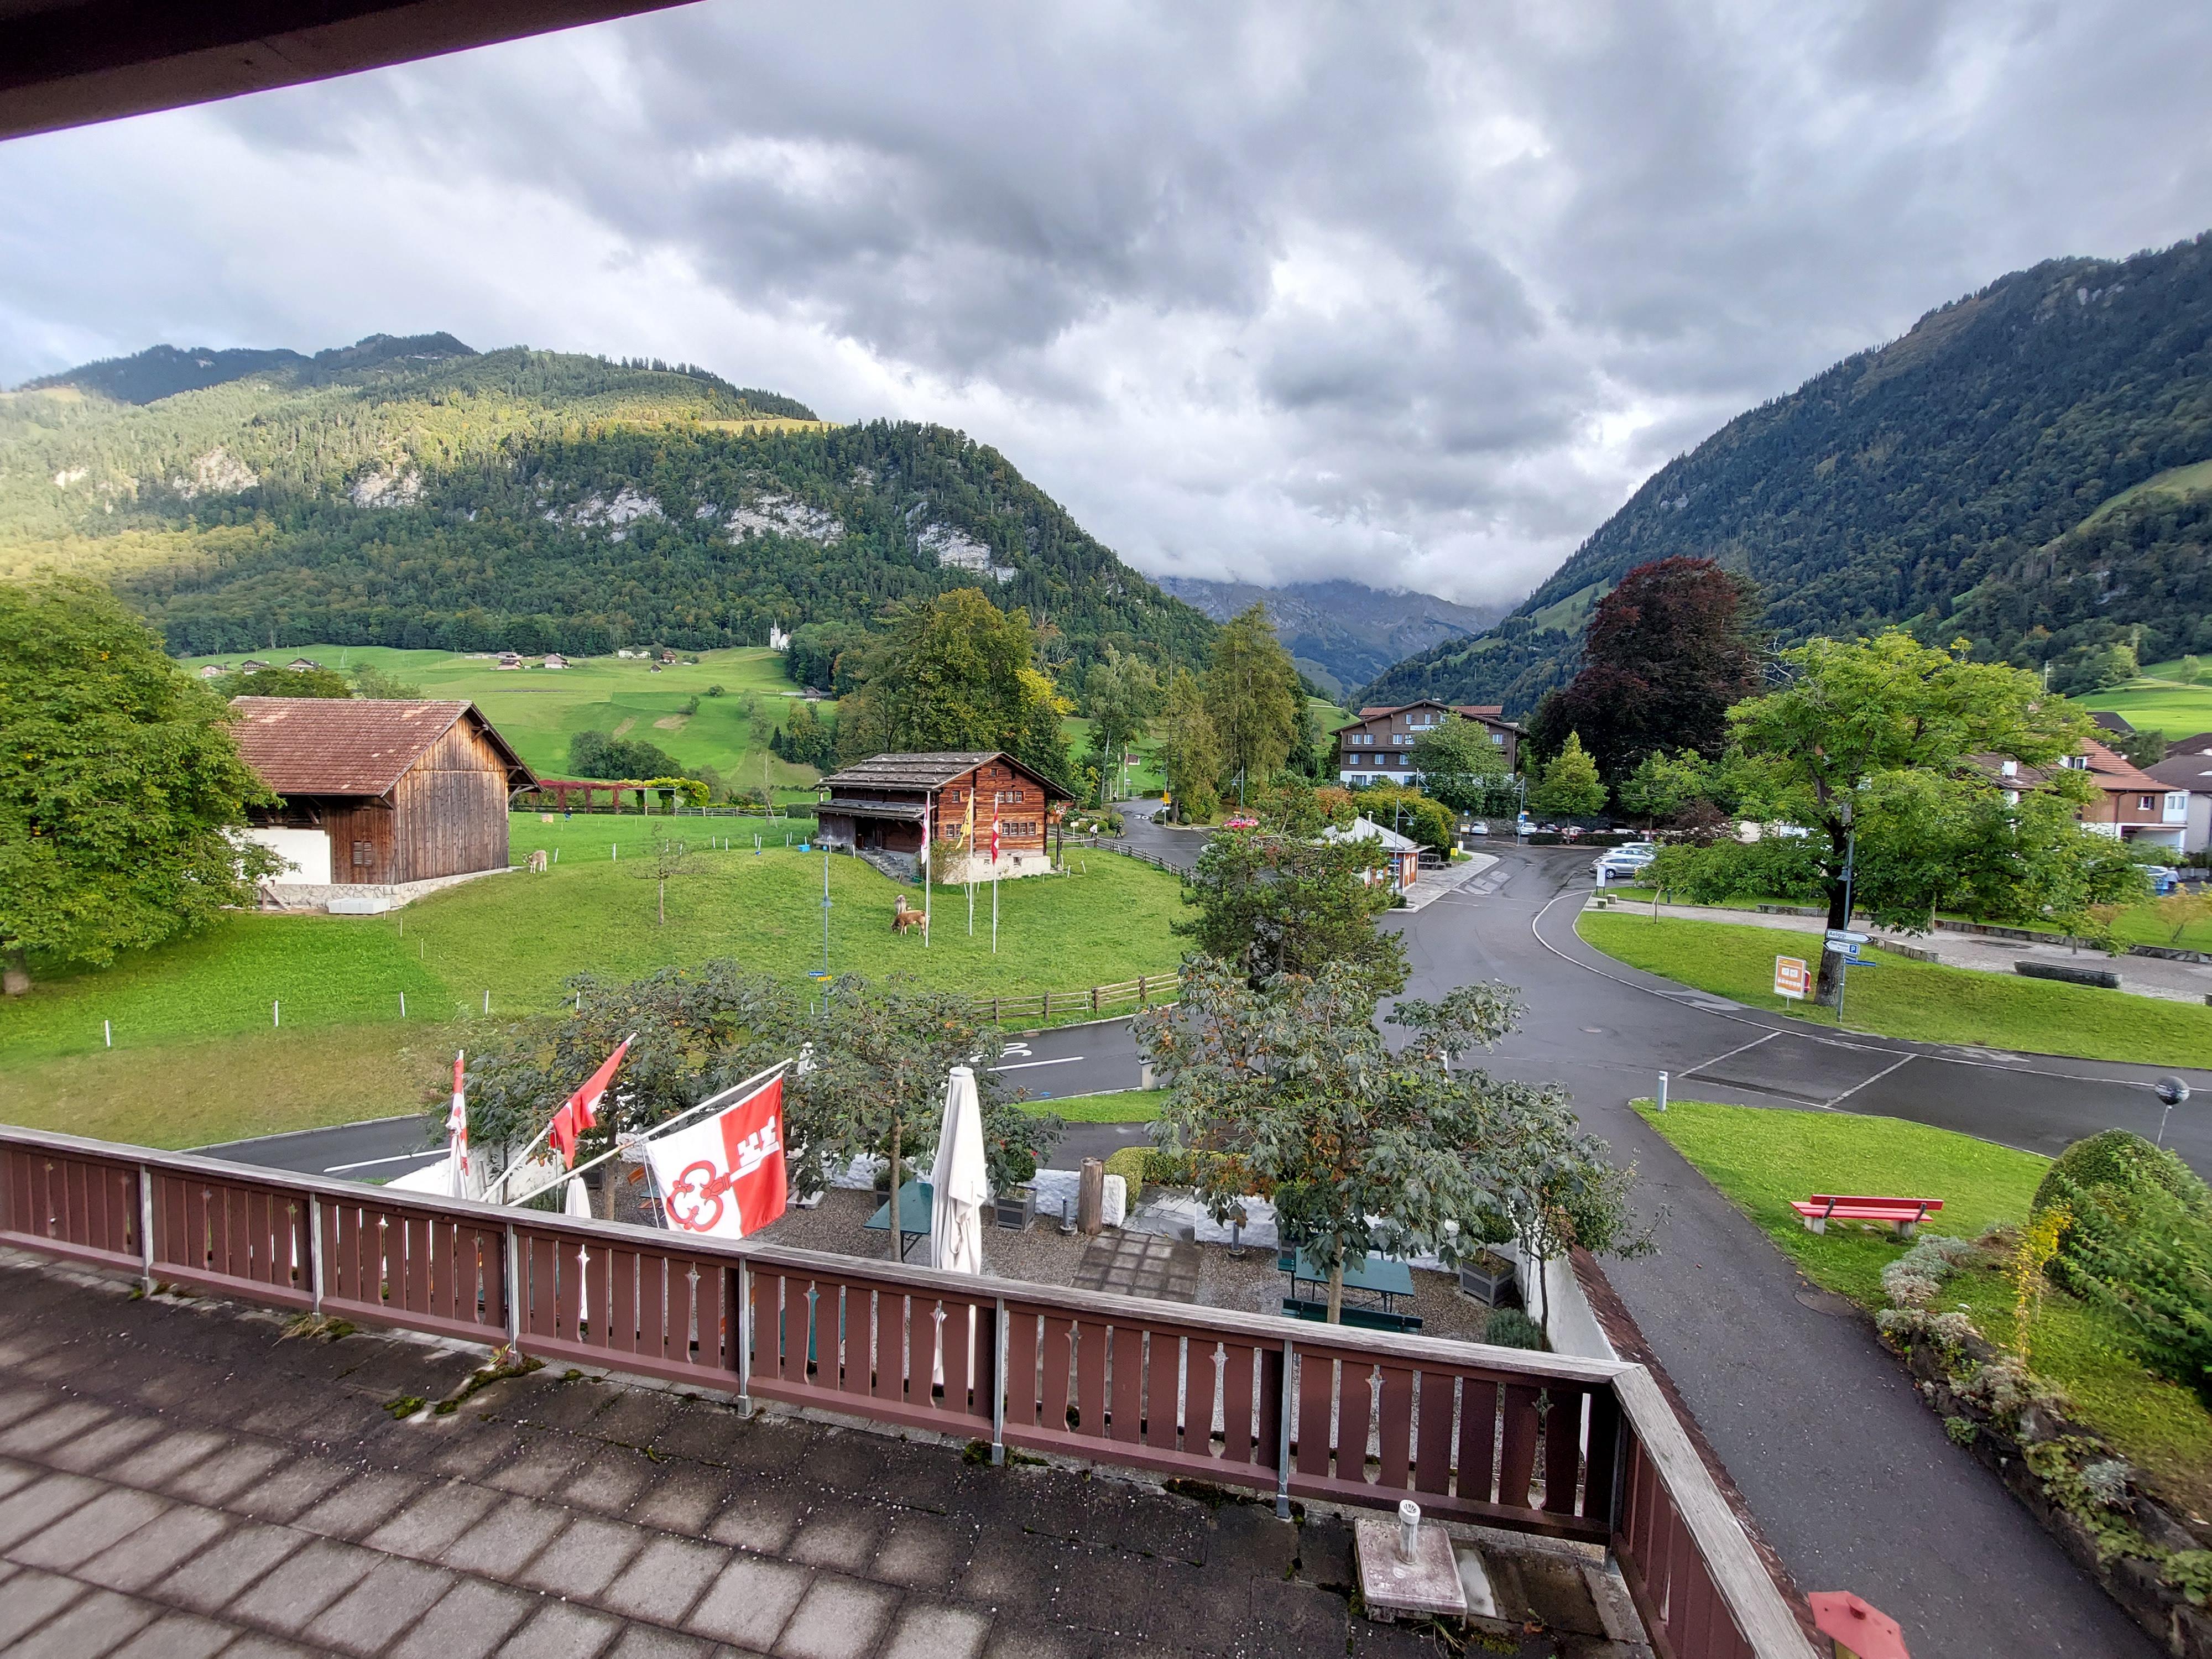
1413,295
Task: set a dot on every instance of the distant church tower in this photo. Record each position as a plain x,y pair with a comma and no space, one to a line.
777,639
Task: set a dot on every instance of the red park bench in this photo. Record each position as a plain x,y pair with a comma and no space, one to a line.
1903,1213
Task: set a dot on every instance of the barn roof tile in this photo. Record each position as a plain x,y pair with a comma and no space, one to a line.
351,745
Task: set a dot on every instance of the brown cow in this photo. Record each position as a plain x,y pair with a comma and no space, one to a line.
902,918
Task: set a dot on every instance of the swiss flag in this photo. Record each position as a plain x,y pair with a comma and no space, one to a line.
581,1109
724,1177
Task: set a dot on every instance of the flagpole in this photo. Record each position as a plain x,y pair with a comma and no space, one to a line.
537,1140
756,1081
928,875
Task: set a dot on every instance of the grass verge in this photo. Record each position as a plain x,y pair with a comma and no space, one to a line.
1761,1158
1123,1106
1919,1000
229,1088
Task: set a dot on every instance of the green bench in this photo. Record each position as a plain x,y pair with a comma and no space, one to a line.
1371,1319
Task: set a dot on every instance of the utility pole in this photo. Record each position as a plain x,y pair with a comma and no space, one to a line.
1850,863
825,914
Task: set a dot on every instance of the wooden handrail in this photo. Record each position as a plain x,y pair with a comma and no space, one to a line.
1243,1399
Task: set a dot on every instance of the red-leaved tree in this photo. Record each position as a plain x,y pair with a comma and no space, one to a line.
1666,654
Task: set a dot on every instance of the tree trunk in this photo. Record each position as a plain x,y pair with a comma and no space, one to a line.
662,901
897,1254
14,972
1336,1294
1828,985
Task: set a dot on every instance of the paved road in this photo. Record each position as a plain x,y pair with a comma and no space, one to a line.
1849,1474
1073,1060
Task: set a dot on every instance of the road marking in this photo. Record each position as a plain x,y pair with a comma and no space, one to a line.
1877,1078
1731,1054
371,1163
1024,1065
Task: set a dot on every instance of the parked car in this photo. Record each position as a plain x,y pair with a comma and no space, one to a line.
1624,862
1480,827
2163,879
1242,821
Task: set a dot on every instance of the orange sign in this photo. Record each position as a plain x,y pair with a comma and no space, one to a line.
1790,979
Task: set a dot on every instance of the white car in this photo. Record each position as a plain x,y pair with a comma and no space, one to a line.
1625,860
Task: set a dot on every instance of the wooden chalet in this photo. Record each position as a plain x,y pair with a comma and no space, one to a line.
878,809
379,792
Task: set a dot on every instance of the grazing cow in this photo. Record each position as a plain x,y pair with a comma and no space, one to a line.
902,918
537,862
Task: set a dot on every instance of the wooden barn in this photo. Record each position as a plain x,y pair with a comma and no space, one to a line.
379,792
878,809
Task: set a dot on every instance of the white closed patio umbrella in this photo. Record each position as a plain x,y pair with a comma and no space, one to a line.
959,1186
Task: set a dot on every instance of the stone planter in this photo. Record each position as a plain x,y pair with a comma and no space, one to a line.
1014,1210
1485,1277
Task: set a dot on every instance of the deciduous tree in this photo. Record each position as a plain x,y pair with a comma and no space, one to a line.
121,792
1253,691
1286,1090
1667,652
956,672
1461,765
1898,741
1191,750
1571,787
1120,696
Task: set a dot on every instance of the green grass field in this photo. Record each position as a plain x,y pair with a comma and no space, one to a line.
519,937
2140,924
1906,999
1760,1160
2154,703
1122,1106
539,709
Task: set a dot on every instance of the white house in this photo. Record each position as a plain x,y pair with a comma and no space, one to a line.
2187,771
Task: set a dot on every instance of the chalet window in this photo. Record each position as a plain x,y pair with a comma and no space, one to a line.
364,853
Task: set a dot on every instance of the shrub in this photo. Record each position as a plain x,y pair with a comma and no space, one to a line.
1512,1328
2145,1256
2123,1160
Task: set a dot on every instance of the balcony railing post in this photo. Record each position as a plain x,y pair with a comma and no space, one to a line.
315,1252
744,1335
999,1387
1283,1435
1613,1517
510,1262
146,1229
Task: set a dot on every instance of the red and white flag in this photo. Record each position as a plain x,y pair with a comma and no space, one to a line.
724,1177
994,835
580,1111
457,1132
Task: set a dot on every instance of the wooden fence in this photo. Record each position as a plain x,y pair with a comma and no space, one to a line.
1535,1443
1098,999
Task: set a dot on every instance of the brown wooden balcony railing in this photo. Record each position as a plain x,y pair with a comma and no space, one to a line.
1536,1442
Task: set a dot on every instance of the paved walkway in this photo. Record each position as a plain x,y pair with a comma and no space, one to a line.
1846,1470
2144,976
180,1480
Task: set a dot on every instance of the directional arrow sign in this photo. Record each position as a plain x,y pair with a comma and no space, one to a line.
1844,936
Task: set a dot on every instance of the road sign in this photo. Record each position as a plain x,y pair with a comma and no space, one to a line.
1837,947
1844,936
1790,979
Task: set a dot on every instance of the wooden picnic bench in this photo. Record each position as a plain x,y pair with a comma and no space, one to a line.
1372,1319
1902,1213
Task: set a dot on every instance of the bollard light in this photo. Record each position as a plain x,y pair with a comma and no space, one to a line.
1409,1529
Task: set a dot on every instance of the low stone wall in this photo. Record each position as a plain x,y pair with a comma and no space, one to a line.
297,897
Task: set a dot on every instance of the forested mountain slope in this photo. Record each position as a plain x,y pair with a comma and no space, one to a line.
1340,634
415,493
2020,469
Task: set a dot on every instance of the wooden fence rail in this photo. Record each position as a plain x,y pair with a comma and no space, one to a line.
1537,1443
1141,992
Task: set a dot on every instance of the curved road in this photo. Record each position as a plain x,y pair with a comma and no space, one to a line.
1850,1476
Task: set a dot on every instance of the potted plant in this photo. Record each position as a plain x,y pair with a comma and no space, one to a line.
1486,1275
1013,1144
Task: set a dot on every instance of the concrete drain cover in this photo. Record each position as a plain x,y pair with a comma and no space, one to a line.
1140,1264
1827,1302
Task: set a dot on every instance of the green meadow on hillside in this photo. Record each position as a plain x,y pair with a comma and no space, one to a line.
519,937
199,1054
2154,702
539,709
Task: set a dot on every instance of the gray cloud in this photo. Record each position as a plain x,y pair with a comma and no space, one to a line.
1410,295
